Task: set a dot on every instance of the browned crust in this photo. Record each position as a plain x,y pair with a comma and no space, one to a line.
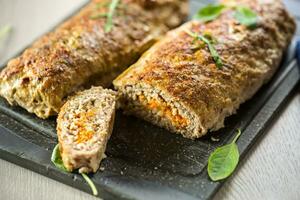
191,76
66,59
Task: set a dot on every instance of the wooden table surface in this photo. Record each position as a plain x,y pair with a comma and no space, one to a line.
271,170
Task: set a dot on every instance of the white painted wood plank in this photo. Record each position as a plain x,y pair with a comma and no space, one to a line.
21,184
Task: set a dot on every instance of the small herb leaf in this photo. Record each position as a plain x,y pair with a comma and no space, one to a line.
214,54
4,31
109,22
90,183
223,160
209,12
57,160
216,57
246,16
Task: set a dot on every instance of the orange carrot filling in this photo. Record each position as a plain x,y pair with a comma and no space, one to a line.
84,134
167,111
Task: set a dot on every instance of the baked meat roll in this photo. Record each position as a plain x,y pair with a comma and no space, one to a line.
84,126
91,48
177,83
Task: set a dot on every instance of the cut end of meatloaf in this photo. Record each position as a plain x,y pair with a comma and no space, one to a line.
84,126
159,108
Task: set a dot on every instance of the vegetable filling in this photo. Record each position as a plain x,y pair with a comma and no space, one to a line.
165,111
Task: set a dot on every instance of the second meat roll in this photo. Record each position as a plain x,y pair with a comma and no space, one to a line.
181,84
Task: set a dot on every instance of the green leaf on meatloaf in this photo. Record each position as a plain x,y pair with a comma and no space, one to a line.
242,14
209,12
246,16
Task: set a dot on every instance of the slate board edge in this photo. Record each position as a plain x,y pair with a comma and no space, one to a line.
22,153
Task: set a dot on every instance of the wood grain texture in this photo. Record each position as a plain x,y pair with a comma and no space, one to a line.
271,170
21,184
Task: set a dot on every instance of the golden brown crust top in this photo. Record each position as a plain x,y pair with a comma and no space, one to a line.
49,54
191,76
79,51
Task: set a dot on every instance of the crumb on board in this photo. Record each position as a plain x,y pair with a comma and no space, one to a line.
214,139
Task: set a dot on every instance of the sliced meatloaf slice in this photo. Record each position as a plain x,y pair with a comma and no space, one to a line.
84,126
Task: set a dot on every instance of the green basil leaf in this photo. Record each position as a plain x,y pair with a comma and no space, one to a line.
223,161
109,22
57,160
246,16
209,12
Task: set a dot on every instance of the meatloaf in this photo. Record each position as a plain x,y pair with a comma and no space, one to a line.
81,52
177,84
84,126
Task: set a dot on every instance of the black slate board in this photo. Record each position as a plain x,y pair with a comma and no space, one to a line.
145,161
